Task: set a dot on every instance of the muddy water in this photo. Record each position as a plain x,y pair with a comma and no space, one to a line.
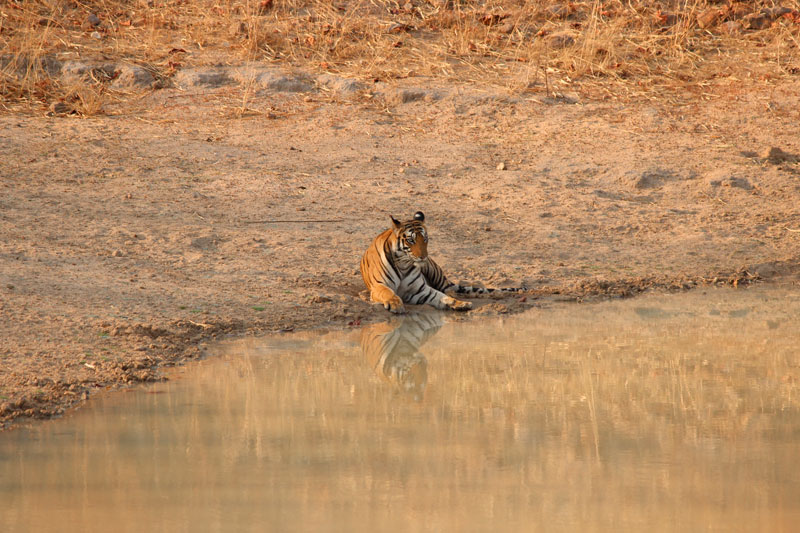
670,412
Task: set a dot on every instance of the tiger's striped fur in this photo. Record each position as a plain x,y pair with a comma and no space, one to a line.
392,350
397,270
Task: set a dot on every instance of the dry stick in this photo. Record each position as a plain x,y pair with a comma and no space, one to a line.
290,221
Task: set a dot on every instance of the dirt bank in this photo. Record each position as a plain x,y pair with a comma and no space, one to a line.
131,237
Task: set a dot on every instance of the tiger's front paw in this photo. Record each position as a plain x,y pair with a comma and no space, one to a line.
395,305
460,305
457,305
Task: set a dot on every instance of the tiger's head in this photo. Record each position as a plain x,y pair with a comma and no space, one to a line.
412,237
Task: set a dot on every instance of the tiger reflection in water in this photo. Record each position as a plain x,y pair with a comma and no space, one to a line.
392,351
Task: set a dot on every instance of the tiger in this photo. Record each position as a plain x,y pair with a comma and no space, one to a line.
397,271
391,349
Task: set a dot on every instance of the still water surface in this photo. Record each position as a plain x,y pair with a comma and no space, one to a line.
664,412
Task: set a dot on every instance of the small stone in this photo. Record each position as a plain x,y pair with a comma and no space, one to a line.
507,27
96,35
61,108
731,27
756,22
666,18
93,19
709,18
400,28
557,11
501,166
560,40
775,12
118,253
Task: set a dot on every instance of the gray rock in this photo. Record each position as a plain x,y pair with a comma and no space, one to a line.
407,95
560,40
341,85
133,77
649,179
79,71
288,84
276,80
204,78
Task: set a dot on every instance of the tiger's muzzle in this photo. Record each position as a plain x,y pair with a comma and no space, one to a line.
419,251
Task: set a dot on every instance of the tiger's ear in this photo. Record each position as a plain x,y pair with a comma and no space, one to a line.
395,222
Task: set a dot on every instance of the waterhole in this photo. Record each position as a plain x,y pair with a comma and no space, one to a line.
665,412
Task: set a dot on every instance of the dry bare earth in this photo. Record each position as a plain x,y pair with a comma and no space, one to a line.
130,237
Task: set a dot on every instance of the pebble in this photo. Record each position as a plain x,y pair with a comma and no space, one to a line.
501,166
560,40
60,108
506,27
709,17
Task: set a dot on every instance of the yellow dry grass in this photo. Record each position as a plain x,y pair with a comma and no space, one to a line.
600,48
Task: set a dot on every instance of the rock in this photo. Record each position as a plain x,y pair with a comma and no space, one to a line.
340,85
79,71
290,84
731,27
557,11
560,40
739,183
398,27
650,179
118,253
666,18
501,166
61,108
405,96
204,78
775,155
133,77
756,22
506,27
775,12
93,19
709,18
96,35
492,309
722,178
738,10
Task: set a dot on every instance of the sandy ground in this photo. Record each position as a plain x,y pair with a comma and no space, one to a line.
129,239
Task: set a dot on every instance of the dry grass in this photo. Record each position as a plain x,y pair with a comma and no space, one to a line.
624,48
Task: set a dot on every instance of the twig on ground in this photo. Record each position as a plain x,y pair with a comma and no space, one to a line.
292,221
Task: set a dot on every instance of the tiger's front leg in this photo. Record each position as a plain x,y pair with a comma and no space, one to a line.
386,296
440,300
